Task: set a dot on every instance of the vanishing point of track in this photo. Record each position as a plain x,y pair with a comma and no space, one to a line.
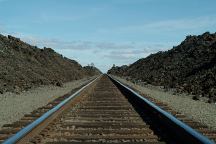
104,112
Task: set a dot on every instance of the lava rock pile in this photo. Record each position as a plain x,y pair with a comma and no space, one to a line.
189,67
23,66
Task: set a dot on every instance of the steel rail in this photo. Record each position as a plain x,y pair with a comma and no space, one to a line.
20,134
191,134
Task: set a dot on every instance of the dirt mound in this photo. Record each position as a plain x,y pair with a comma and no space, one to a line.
189,67
23,66
91,70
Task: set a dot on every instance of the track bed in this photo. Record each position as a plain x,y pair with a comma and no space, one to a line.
101,114
104,116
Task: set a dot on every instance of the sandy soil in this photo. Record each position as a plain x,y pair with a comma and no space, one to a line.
197,110
14,106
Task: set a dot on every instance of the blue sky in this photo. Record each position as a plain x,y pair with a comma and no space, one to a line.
106,32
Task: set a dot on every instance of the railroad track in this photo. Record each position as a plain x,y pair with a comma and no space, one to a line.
104,111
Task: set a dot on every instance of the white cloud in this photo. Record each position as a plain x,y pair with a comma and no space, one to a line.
138,52
165,25
101,53
73,45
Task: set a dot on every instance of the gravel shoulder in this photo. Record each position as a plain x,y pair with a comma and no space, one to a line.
15,106
199,111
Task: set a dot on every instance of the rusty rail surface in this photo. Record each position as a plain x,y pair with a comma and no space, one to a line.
104,111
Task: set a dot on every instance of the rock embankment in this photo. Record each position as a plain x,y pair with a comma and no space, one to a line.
197,110
189,67
23,66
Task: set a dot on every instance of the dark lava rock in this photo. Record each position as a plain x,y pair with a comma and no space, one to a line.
60,84
189,67
57,83
196,97
23,66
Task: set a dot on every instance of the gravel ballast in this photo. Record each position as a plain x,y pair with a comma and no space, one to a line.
15,106
199,111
